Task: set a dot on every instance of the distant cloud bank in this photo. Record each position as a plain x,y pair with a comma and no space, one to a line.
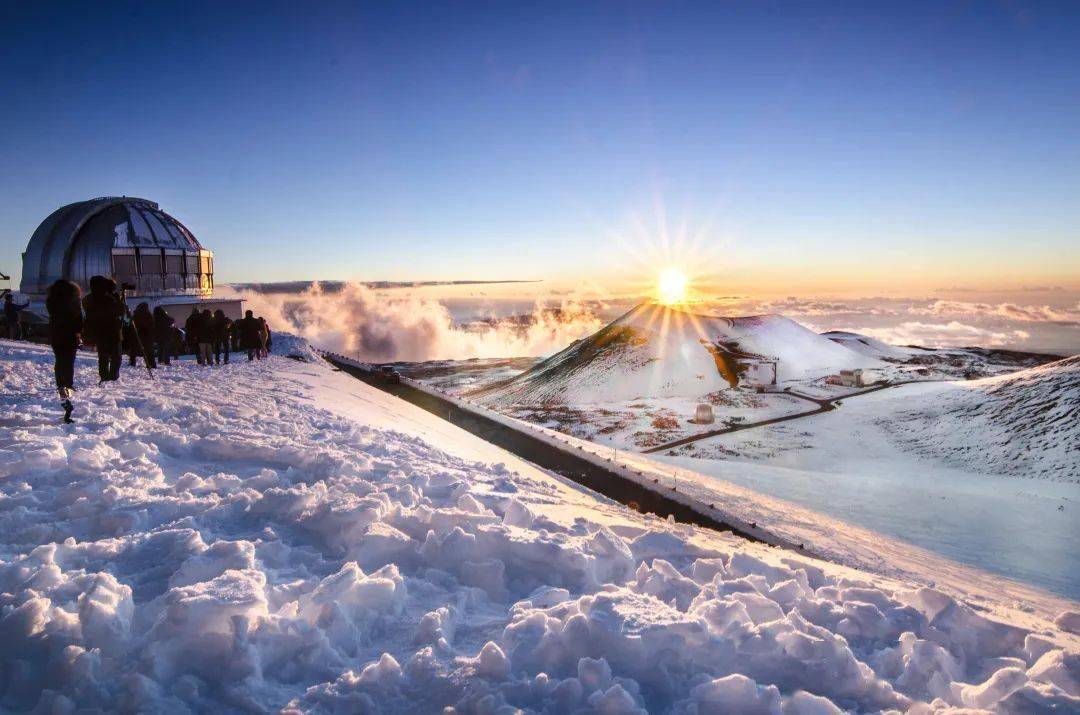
952,334
391,326
405,325
1044,327
1011,311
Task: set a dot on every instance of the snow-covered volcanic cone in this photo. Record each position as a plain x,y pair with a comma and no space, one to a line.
664,351
1026,423
871,347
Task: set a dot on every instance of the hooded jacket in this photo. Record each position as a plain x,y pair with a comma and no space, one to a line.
144,323
222,326
65,318
163,326
104,312
249,332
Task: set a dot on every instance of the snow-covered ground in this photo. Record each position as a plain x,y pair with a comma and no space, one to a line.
637,382
883,462
1025,424
933,464
650,422
279,535
657,351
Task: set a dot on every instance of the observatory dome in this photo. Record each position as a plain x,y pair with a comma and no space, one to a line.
128,239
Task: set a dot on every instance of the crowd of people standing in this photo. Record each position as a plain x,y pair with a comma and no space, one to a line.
102,318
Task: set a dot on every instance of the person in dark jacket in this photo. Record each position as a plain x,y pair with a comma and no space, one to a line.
65,334
250,331
234,335
163,335
222,328
11,314
192,333
127,335
206,338
103,325
143,323
178,342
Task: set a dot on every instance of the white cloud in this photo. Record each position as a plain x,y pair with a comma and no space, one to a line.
793,306
951,334
377,327
1008,311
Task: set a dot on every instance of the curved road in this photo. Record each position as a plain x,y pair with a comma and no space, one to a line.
825,404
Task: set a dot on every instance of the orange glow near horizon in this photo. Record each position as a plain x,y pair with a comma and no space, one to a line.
668,262
722,263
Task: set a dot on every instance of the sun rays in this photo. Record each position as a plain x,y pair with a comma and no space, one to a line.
668,266
672,286
674,267
664,258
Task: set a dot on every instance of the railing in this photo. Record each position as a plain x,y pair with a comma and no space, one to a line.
634,467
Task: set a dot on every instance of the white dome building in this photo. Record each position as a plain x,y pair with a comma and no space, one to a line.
149,254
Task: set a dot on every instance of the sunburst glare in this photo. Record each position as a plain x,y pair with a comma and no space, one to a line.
671,287
673,263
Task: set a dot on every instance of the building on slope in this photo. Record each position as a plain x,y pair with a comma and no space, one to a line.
741,368
151,255
847,378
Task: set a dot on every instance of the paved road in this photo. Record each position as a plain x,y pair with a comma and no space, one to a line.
825,404
543,454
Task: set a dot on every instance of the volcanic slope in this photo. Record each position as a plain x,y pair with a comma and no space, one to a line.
872,347
1023,424
663,351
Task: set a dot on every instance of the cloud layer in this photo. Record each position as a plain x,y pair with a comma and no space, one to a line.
382,327
953,334
933,322
402,324
1009,311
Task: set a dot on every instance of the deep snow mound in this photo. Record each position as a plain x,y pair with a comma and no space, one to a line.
664,351
1023,424
295,347
254,537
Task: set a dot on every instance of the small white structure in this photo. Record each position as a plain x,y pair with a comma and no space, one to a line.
741,368
703,415
847,378
758,372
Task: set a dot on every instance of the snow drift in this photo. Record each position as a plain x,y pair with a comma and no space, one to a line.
276,535
663,351
1026,423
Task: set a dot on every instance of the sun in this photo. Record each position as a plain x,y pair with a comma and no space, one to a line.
671,286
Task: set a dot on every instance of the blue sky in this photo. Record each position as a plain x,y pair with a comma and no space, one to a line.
900,142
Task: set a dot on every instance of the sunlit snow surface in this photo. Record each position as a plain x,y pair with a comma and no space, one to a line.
276,535
986,472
